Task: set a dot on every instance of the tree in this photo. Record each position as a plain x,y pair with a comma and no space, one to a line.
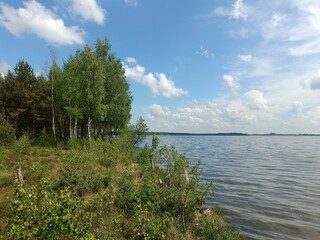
117,96
53,75
84,74
7,132
18,97
140,131
97,94
23,98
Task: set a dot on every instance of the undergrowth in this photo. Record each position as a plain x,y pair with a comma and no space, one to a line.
101,190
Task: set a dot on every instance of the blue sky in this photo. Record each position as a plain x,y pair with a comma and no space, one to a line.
193,66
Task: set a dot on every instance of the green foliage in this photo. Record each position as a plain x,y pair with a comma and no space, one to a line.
98,191
150,226
45,140
179,194
210,231
22,145
77,144
23,97
41,213
88,97
148,155
140,131
7,132
96,92
126,197
82,184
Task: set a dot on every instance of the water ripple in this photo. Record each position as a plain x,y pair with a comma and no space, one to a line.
267,185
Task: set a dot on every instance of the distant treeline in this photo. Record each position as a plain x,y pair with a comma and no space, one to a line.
88,96
227,134
198,134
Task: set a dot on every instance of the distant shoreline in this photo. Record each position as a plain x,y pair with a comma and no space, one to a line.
228,134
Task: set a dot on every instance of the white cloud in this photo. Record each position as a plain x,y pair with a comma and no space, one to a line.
157,110
4,67
308,48
167,87
315,83
88,10
255,100
238,11
245,58
159,83
296,27
283,64
313,115
249,113
131,2
275,20
211,116
231,81
36,19
297,108
131,60
205,52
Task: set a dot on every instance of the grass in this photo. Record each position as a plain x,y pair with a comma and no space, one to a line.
105,191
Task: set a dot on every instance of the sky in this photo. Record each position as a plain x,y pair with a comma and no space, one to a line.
198,66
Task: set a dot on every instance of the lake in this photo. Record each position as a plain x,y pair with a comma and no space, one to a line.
268,186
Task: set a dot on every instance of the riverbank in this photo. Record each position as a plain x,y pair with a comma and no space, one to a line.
99,190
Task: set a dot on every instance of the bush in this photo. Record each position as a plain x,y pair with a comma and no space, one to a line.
45,139
178,194
22,145
7,132
82,184
41,213
126,198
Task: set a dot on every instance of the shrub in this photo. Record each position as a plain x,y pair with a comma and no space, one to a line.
82,184
41,213
45,139
178,194
140,130
22,145
150,226
125,197
7,132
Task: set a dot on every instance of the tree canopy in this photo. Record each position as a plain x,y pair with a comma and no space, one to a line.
88,97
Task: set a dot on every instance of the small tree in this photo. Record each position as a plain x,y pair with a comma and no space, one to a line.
140,131
7,132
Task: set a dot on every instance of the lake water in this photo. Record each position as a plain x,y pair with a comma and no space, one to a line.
268,186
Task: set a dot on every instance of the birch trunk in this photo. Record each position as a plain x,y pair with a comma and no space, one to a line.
89,128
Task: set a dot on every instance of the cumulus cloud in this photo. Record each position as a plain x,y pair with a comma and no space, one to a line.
88,10
210,116
157,110
238,11
245,58
4,67
159,83
131,2
36,19
255,100
232,82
